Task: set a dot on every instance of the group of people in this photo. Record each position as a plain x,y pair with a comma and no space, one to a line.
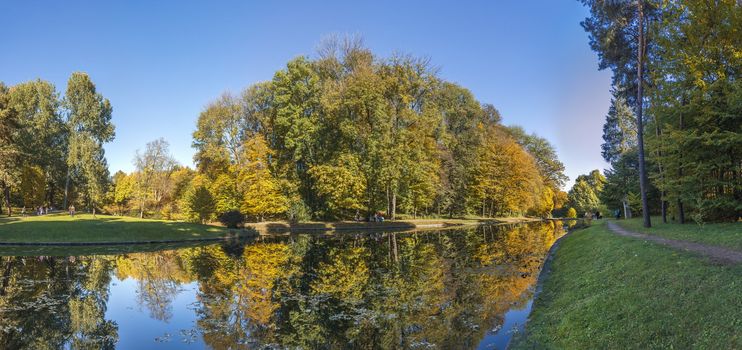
41,210
377,217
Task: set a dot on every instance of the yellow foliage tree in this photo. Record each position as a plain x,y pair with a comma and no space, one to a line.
341,184
261,194
506,179
32,186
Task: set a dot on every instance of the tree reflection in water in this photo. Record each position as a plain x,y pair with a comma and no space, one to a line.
383,290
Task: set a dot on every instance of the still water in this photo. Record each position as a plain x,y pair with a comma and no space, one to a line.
444,289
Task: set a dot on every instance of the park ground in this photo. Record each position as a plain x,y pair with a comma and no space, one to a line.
607,291
83,228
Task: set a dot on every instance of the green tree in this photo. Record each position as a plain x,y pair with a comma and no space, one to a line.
582,197
199,204
42,136
696,106
9,152
619,129
618,33
89,125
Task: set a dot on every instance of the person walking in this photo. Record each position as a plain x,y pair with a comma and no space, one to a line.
72,211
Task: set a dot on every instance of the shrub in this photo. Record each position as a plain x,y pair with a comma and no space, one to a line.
232,218
571,213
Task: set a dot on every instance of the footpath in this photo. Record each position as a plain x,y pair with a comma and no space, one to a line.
716,254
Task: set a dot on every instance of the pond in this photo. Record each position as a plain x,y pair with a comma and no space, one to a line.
455,288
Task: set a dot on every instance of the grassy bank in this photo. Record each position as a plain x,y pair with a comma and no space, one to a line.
104,228
722,234
606,291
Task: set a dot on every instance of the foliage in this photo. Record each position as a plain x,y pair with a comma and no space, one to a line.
350,132
89,125
571,213
154,167
32,186
199,204
583,197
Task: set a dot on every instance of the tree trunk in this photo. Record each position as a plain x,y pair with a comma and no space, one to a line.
66,189
664,209
681,209
6,190
626,210
639,122
393,214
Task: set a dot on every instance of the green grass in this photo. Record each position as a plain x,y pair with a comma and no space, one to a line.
721,234
610,292
104,228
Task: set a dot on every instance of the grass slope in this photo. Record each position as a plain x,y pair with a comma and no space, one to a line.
104,228
611,292
722,234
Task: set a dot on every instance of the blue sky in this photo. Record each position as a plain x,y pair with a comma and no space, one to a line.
160,62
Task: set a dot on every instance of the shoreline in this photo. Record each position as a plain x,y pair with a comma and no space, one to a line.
269,228
278,228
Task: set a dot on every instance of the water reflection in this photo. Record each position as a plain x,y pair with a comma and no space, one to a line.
445,289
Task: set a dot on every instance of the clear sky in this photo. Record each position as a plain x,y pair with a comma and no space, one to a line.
160,62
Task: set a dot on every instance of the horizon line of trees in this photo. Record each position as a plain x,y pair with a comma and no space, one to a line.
344,135
348,135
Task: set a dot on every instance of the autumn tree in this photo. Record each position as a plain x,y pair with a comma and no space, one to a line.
154,167
262,197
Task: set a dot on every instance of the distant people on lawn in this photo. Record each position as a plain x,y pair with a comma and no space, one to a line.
72,211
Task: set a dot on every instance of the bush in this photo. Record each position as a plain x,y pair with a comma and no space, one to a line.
571,213
232,218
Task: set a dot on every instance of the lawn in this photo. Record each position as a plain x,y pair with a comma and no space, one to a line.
611,292
721,234
104,228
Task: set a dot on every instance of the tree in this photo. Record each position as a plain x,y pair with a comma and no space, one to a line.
32,186
123,191
89,125
341,185
549,166
227,196
154,167
199,204
9,152
42,136
582,197
695,101
617,32
506,179
619,130
261,194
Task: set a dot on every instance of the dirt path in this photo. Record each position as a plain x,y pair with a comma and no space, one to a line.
717,254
